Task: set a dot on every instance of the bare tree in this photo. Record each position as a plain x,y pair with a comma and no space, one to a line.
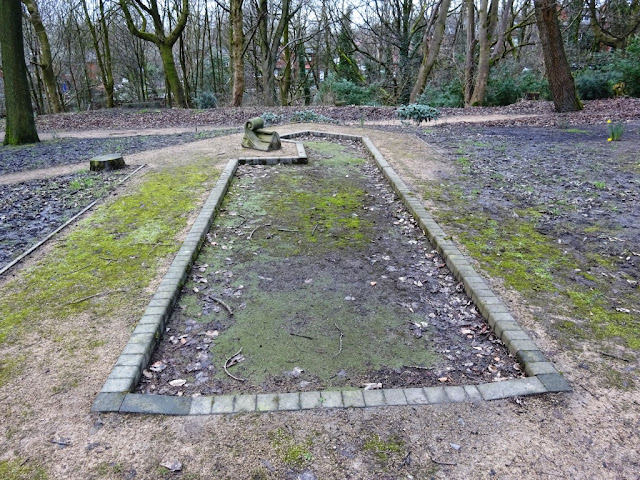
561,84
102,47
162,40
46,58
431,42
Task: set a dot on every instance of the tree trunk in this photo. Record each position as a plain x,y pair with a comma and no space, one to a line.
561,84
471,45
488,17
20,126
285,84
430,50
46,59
237,49
171,72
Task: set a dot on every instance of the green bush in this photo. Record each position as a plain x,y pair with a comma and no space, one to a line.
309,116
594,84
448,95
505,88
345,92
626,67
206,99
418,113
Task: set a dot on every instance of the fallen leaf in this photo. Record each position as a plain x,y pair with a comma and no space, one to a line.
443,379
373,284
179,382
172,465
158,367
372,386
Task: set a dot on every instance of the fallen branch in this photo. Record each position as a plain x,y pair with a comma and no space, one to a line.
226,365
227,307
102,294
256,229
301,336
313,232
341,335
287,230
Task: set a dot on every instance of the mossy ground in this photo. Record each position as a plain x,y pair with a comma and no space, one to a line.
108,259
19,469
517,236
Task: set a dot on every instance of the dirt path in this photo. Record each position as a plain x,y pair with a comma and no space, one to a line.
593,432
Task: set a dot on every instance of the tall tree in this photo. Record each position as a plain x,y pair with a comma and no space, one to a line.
431,42
270,40
561,84
162,40
237,51
487,20
20,125
102,47
46,57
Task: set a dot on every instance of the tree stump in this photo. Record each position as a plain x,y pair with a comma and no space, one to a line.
112,161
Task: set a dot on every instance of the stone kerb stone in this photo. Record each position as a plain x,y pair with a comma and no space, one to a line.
115,396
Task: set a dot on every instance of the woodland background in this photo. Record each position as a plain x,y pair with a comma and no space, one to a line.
88,54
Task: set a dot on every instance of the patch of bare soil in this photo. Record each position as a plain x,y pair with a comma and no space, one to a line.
34,208
593,432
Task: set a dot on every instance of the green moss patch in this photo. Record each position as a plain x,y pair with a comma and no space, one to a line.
107,259
21,470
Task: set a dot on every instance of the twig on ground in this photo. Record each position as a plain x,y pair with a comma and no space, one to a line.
256,229
226,365
341,335
287,230
611,355
301,336
227,307
101,294
61,443
313,232
417,367
71,272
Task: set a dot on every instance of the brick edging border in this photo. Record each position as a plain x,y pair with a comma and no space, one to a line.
115,396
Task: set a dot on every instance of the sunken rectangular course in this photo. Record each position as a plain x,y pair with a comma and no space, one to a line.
116,394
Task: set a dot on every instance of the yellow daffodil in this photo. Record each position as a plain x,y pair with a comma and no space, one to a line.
609,139
608,121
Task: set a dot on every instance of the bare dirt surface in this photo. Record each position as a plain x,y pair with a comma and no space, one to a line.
48,432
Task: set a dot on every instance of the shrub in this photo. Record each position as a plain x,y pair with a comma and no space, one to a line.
626,67
345,92
505,88
448,95
309,116
206,99
271,118
594,84
418,113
